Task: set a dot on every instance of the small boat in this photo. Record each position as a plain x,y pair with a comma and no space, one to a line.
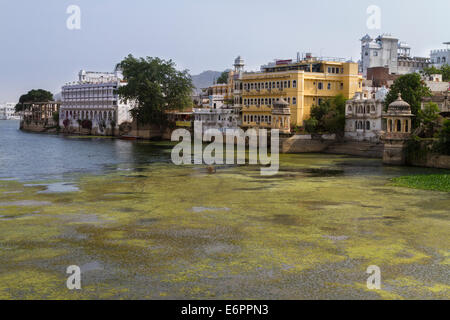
126,137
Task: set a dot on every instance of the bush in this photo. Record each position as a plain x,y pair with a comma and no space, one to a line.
86,124
443,145
311,125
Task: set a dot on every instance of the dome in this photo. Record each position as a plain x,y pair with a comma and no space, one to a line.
399,107
281,104
399,103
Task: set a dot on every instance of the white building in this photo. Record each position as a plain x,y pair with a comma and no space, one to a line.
435,83
93,100
363,117
387,51
8,111
217,115
441,56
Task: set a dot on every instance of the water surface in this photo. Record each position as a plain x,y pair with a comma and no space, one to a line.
142,228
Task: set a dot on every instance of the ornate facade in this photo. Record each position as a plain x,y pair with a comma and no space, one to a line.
93,102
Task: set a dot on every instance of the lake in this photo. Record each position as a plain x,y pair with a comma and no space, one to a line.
140,227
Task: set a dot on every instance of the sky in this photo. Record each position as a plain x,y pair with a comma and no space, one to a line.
39,51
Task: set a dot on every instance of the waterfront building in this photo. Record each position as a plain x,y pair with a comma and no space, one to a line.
386,51
302,84
218,115
40,116
8,111
93,102
363,116
440,57
218,110
398,131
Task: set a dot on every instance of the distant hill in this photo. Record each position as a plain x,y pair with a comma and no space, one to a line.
205,79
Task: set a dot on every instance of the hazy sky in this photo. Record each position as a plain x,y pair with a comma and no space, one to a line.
39,51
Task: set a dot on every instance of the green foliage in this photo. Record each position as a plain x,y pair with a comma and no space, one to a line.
55,117
311,125
38,95
156,86
443,144
444,70
432,70
329,116
223,79
412,88
428,118
417,149
437,182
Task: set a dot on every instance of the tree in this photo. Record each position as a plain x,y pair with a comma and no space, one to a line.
445,72
428,118
38,95
443,144
432,70
155,86
412,89
329,116
223,78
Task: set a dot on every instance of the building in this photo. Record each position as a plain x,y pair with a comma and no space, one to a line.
302,84
363,117
8,111
435,83
218,111
442,99
218,115
398,131
40,116
440,57
92,103
386,51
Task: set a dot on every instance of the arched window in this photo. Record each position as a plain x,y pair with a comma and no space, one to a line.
367,125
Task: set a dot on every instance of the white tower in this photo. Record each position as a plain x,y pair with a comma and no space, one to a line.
238,64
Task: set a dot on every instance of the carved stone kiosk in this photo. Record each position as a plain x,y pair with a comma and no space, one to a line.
281,116
398,131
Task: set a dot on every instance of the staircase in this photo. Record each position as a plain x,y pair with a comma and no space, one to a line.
353,148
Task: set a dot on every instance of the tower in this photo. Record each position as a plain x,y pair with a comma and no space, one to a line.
238,64
398,131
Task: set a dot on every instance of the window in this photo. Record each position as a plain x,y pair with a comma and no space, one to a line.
294,100
294,84
329,86
342,86
320,86
368,125
329,70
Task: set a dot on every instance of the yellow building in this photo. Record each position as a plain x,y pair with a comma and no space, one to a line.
301,84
